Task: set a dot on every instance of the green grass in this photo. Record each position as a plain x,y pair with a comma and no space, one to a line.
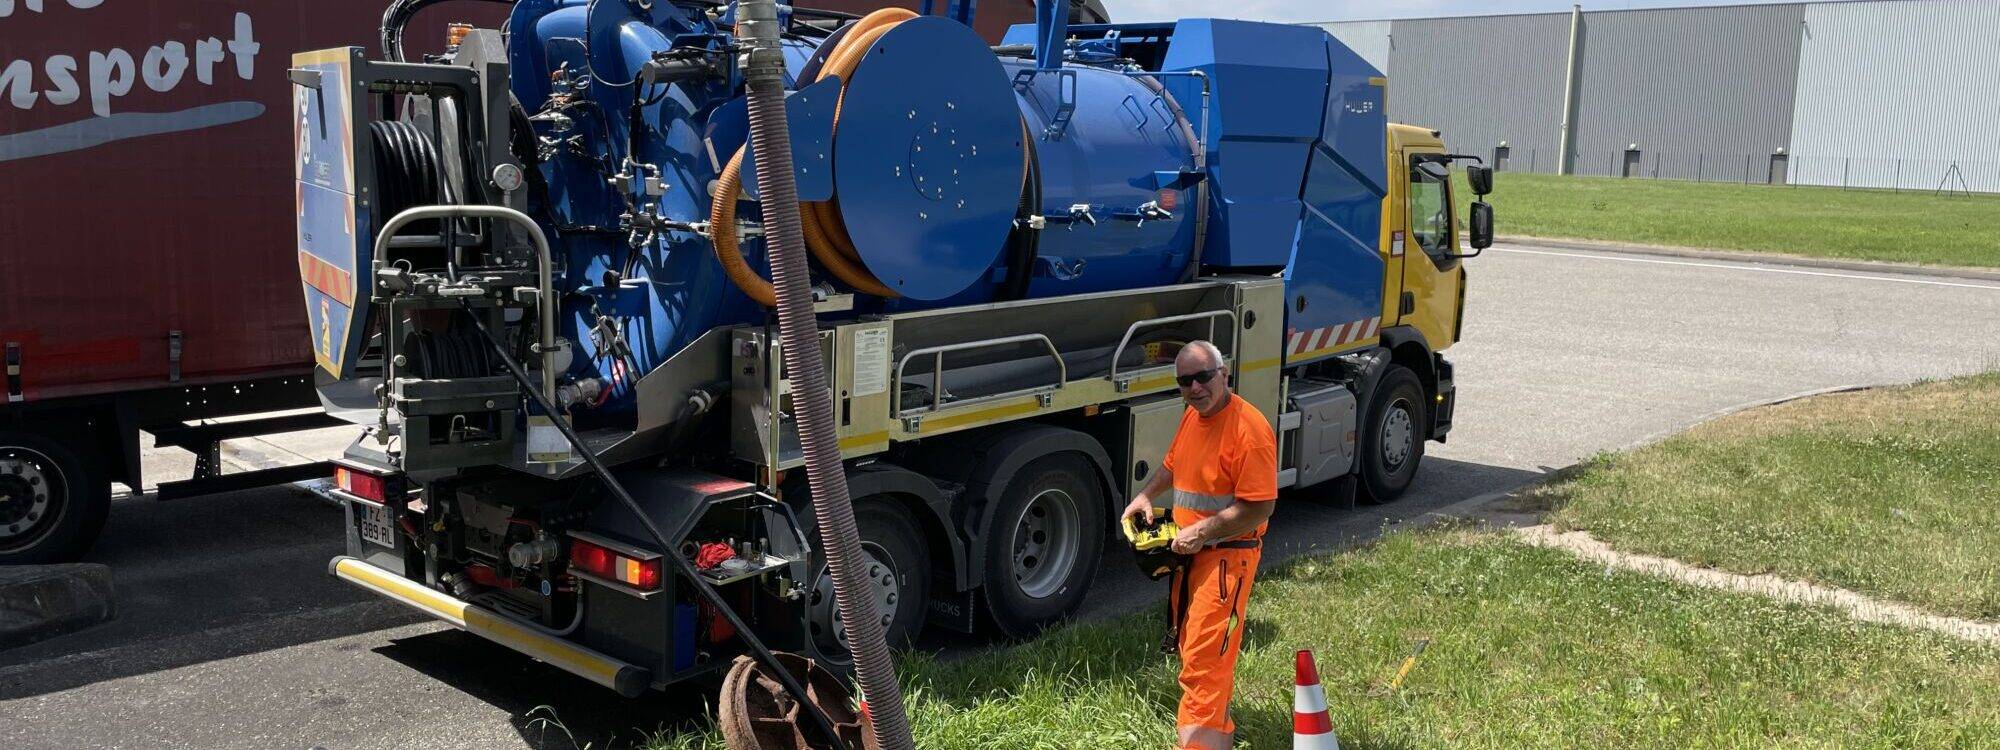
1877,225
1530,648
1893,493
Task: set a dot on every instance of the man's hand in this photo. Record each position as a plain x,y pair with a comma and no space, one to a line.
1142,501
1190,539
1142,507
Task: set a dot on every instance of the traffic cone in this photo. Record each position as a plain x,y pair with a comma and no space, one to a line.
1312,728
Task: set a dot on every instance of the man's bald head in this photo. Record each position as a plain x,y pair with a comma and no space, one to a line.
1202,355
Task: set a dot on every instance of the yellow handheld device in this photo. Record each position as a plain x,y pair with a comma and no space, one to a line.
1156,534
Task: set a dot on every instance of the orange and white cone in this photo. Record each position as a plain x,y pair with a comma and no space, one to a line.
1312,728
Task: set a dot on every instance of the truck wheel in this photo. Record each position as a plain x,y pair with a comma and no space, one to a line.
899,577
1043,547
1392,442
52,500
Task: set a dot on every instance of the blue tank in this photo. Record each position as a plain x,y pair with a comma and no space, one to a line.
957,175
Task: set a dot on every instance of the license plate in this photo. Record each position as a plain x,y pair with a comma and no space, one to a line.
374,520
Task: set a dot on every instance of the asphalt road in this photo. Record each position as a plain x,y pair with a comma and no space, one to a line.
232,635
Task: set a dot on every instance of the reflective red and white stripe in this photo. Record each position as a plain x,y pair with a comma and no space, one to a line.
1312,728
1332,337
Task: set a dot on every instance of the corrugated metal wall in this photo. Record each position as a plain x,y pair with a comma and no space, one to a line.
1483,81
1369,39
1703,92
1873,93
1894,94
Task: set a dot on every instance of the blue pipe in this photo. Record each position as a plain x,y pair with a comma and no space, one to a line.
1051,28
962,11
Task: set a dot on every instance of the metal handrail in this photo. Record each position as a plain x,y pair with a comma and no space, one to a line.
545,294
937,367
1211,315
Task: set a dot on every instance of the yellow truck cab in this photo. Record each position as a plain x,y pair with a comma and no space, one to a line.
1424,281
1423,301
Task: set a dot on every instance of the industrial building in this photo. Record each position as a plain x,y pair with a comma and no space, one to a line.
1868,93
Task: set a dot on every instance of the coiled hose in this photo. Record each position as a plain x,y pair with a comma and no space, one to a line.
406,167
838,256
824,231
840,536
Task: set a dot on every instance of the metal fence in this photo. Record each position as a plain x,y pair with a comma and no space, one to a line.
1935,175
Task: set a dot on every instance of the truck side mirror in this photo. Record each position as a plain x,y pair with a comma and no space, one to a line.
1480,177
1482,226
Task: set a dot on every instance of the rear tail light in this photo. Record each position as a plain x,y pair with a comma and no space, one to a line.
636,571
364,485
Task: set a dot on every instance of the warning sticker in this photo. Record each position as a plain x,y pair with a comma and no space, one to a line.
871,361
546,444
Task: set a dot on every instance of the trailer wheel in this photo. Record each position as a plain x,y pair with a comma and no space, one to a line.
1392,441
1044,544
53,500
899,576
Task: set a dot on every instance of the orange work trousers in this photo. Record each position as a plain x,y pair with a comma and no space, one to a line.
1210,598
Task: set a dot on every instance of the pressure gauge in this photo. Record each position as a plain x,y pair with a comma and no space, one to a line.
508,177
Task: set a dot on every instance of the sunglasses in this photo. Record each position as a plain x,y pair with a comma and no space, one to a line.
1200,377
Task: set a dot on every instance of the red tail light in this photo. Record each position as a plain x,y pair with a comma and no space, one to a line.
612,565
361,484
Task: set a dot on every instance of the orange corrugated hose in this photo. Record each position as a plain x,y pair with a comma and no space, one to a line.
824,216
832,249
826,233
722,234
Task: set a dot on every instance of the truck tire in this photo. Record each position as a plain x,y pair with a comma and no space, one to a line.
53,500
1043,546
1392,440
899,570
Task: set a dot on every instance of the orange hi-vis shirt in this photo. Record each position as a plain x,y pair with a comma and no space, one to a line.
1221,459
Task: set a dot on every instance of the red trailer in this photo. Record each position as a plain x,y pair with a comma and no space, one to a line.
147,275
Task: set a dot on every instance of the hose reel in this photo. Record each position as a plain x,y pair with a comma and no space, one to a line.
406,168
925,240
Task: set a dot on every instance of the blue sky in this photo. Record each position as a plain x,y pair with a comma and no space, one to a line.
1356,10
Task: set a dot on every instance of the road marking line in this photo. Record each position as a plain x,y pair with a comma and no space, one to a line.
1736,267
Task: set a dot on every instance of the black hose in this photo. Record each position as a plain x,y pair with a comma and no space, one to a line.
523,142
799,12
398,15
1026,240
820,720
406,168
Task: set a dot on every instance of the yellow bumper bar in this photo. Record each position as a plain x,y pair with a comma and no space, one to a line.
627,679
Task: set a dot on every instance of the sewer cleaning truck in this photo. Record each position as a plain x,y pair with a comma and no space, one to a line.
190,336
537,270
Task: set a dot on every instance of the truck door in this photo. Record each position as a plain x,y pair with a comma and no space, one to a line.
1432,275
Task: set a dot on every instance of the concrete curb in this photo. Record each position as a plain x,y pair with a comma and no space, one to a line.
38,602
1769,259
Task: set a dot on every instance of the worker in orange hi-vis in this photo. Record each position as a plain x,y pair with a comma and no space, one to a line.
1223,471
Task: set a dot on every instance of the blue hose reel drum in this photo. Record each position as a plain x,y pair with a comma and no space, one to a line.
928,158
